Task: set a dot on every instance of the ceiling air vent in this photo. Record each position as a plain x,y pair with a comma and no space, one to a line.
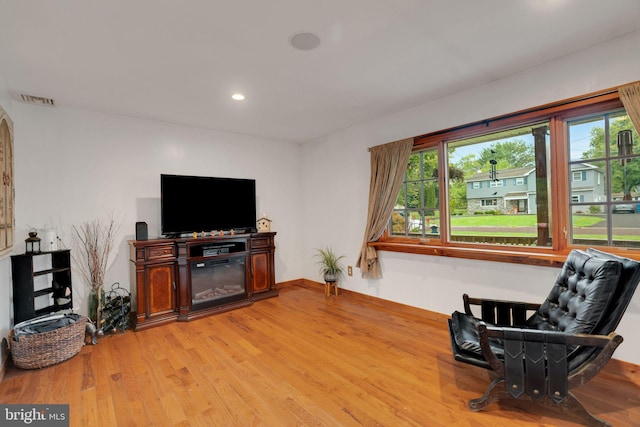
38,100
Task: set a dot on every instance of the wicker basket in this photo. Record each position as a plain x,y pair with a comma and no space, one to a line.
48,348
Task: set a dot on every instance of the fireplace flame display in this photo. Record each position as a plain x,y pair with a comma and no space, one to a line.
218,280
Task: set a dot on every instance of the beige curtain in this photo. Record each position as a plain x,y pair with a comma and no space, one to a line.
388,165
630,97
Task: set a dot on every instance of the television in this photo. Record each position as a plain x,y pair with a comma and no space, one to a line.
196,203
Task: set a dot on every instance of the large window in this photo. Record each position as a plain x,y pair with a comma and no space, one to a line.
488,200
604,153
526,187
416,212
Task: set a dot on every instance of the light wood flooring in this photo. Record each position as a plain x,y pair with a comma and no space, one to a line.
298,359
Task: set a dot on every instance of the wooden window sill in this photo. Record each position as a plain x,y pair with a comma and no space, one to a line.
545,259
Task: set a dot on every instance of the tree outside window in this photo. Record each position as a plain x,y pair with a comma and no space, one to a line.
416,212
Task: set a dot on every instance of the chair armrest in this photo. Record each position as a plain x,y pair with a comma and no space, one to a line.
500,312
535,360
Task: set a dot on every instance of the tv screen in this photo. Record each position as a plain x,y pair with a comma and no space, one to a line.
196,203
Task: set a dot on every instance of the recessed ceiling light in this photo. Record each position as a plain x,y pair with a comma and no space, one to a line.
304,41
238,96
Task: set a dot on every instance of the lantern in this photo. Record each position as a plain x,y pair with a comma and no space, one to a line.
33,243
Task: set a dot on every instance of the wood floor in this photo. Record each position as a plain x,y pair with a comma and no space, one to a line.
299,359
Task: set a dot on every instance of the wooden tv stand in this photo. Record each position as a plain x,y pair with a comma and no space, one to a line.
161,276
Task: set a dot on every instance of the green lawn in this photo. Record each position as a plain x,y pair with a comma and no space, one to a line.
503,224
515,220
616,237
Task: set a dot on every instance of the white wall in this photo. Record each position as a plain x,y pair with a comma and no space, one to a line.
336,182
72,166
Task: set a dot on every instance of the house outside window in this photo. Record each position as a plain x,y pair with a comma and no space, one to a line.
540,182
505,211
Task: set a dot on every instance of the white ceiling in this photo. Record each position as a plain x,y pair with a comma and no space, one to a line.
180,61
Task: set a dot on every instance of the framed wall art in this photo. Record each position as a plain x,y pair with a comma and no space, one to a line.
7,196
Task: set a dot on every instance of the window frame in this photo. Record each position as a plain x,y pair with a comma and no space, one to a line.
556,114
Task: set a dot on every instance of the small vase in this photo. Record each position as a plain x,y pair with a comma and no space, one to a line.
96,295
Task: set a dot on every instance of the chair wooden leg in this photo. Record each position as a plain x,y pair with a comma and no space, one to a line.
491,394
573,406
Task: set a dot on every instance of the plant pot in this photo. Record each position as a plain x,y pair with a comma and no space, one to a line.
330,277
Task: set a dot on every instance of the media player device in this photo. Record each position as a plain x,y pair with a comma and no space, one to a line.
142,232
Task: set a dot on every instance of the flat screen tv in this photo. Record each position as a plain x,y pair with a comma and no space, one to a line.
196,203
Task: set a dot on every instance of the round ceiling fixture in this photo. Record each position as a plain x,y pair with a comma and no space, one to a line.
238,96
304,41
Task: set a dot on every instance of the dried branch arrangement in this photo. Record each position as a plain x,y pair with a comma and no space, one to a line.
95,241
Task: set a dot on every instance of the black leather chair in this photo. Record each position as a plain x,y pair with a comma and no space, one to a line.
542,351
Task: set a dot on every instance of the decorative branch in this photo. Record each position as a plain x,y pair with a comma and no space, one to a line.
95,241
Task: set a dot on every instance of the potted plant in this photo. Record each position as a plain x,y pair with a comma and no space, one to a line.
330,266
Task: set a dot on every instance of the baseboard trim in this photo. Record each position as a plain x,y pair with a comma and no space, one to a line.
312,284
303,283
296,282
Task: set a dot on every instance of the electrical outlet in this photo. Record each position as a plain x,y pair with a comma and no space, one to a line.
350,271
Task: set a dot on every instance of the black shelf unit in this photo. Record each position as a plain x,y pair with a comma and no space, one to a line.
24,292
